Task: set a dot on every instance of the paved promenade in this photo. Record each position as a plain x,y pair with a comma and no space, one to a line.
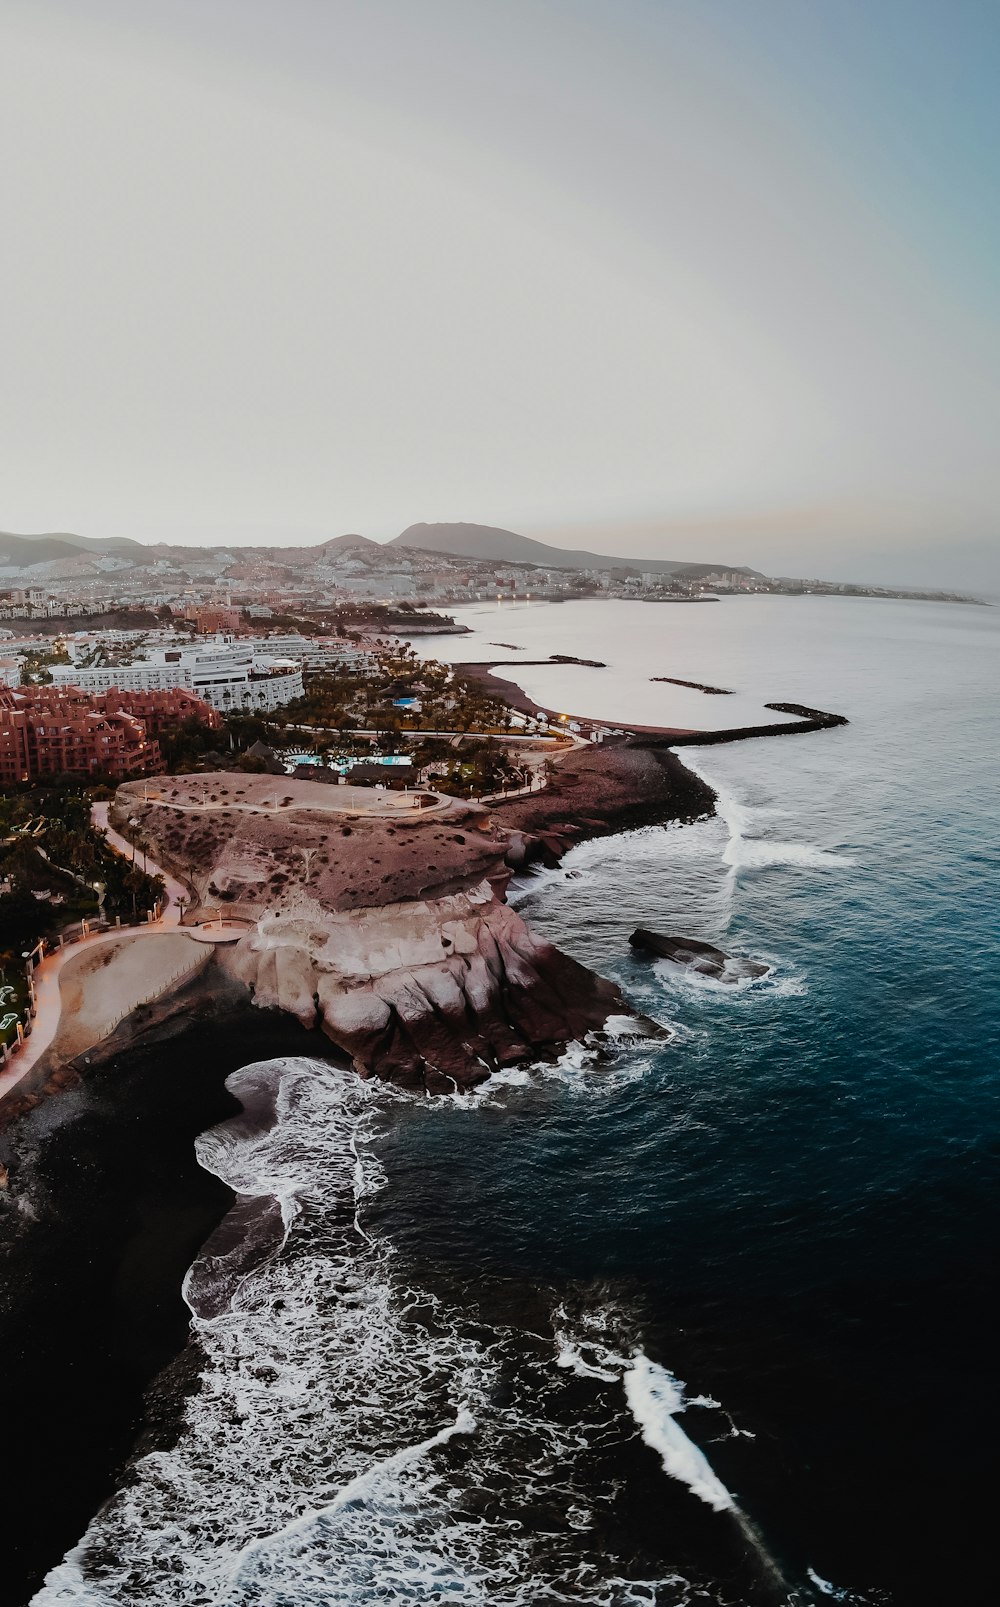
135,983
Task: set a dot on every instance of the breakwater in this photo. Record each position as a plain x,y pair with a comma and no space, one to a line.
808,720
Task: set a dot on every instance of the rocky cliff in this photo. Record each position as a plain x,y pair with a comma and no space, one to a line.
378,916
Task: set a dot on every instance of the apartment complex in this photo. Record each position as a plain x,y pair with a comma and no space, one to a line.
50,731
210,620
49,739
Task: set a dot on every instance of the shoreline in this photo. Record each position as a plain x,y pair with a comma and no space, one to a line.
122,1207
807,719
600,791
107,1198
106,1210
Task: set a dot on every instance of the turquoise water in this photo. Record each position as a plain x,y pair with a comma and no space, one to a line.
709,1320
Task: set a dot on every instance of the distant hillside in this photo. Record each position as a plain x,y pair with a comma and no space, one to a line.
506,546
23,550
482,542
349,543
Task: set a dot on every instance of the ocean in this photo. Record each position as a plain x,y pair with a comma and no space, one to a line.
710,1322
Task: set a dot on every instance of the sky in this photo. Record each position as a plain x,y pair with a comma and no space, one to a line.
713,280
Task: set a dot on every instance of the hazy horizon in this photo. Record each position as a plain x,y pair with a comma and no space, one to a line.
712,282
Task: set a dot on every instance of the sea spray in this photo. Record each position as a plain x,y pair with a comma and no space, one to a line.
655,1398
355,1436
749,844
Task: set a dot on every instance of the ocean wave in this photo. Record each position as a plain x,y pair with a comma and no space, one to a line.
758,853
354,1437
537,879
597,1343
749,845
655,1398
596,1067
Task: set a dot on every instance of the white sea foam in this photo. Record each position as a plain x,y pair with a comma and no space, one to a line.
596,1067
750,845
529,883
582,1348
655,1398
353,1439
825,1588
777,982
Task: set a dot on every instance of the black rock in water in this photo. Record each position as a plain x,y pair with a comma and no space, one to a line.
697,956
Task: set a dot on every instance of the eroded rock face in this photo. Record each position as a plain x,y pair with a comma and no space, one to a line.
380,918
434,994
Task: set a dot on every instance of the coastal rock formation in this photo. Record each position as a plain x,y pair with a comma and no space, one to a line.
434,993
697,956
377,916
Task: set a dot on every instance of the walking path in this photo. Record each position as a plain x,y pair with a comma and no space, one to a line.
50,1003
177,893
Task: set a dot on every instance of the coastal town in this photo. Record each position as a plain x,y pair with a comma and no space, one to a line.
287,675
65,581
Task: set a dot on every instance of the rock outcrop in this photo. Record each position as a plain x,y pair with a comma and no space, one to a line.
697,956
378,917
434,993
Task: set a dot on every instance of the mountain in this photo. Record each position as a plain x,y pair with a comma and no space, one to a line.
20,551
485,543
350,544
506,546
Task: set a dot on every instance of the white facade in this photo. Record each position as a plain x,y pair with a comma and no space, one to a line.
126,677
317,654
229,676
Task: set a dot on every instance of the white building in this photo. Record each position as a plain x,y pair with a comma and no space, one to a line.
232,676
320,655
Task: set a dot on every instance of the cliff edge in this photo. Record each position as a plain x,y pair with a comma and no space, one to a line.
378,916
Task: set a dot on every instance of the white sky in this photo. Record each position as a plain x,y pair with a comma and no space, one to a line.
595,271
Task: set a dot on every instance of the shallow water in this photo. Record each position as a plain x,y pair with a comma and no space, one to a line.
710,1323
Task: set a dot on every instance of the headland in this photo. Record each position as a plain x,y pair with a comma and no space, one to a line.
378,917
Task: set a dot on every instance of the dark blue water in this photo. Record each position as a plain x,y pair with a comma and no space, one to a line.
458,1382
802,1194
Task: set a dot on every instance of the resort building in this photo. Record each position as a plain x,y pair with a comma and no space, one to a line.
233,677
320,655
57,738
51,731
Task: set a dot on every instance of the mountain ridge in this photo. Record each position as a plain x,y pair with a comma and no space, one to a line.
51,544
459,539
478,543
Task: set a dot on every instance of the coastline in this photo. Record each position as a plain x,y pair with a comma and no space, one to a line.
805,718
106,1196
598,791
122,1255
822,1369
106,1209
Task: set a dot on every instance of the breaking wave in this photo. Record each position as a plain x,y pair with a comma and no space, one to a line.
778,981
655,1399
750,844
354,1438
